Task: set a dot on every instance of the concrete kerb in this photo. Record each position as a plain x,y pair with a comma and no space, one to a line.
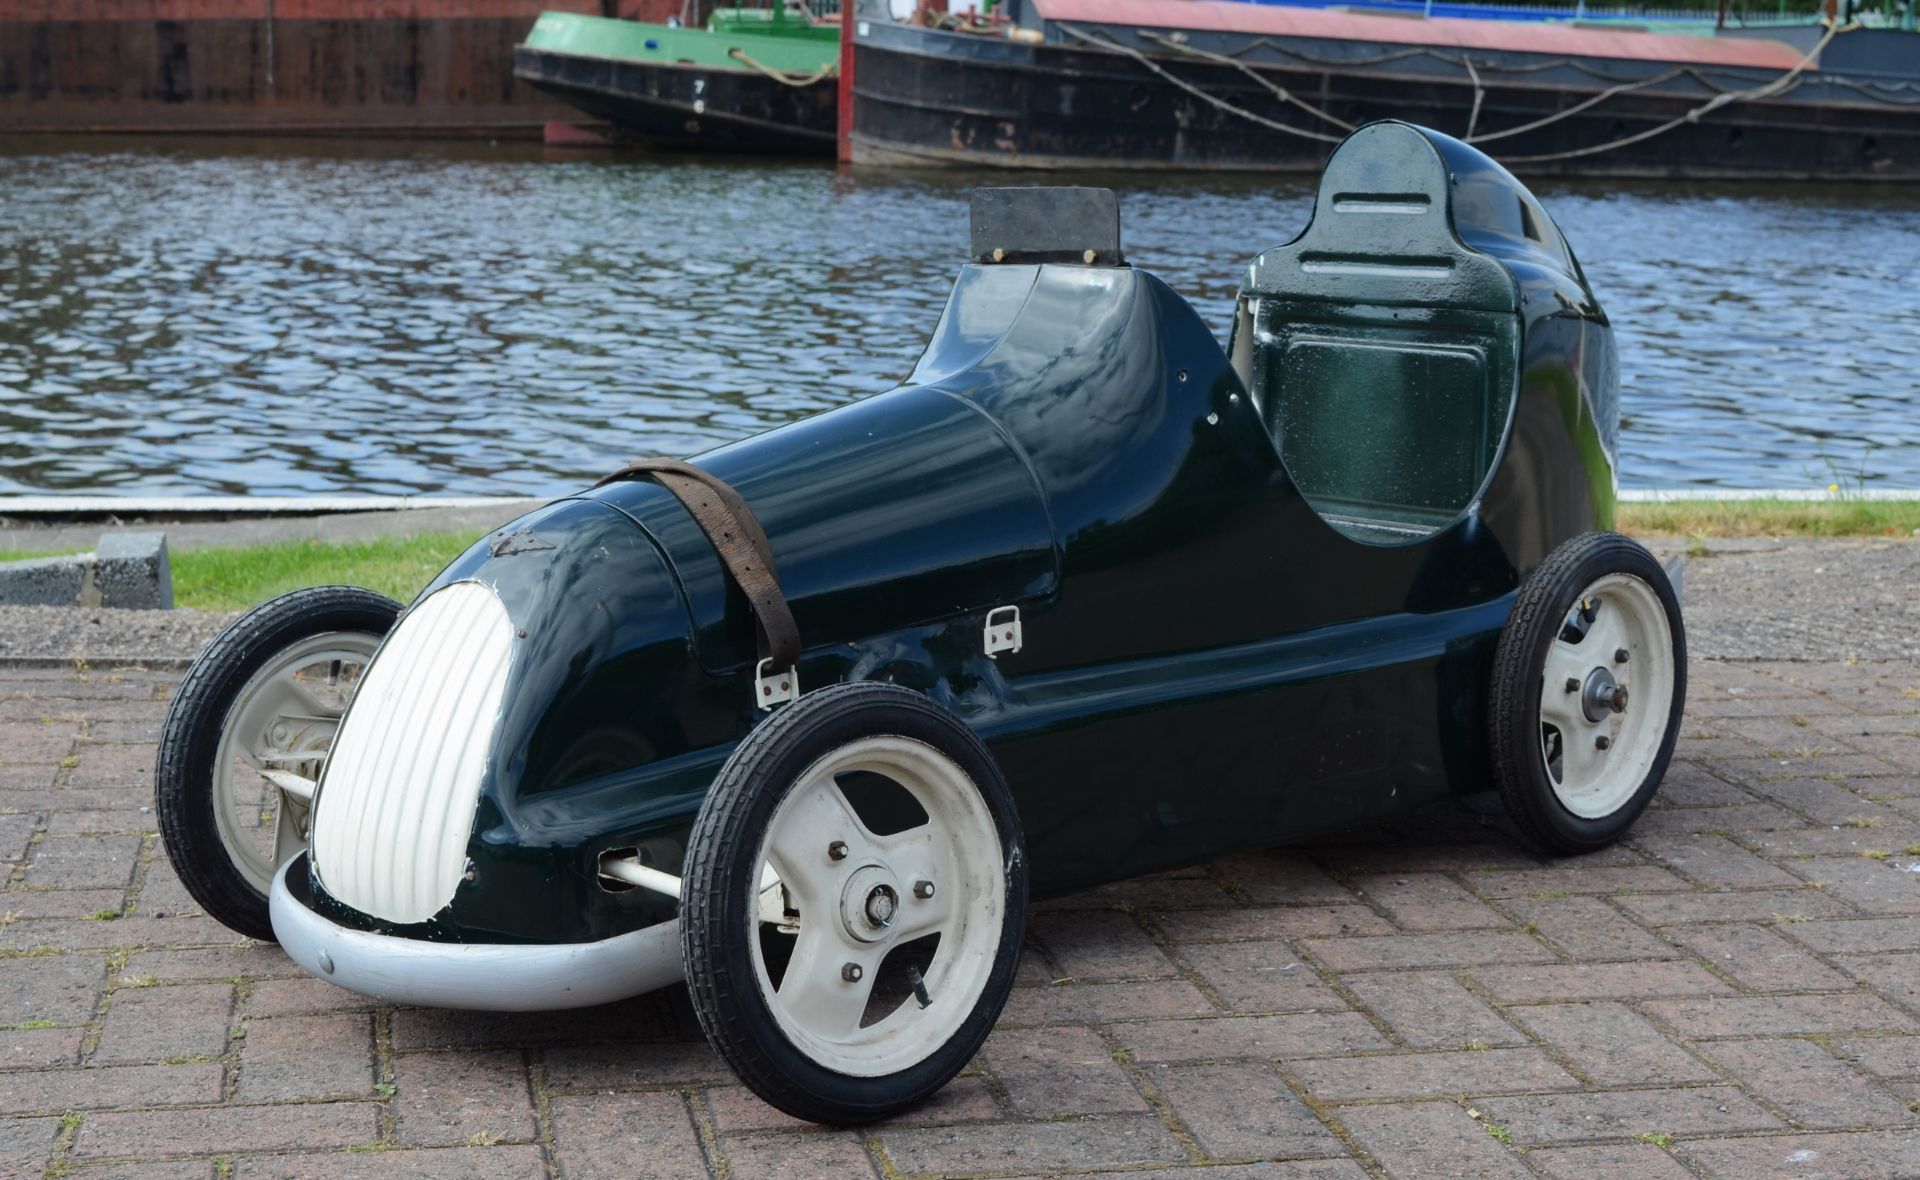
126,571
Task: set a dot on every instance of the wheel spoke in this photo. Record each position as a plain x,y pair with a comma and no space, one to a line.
812,822
289,828
912,856
814,991
1582,762
1566,663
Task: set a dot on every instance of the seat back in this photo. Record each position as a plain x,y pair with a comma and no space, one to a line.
1381,349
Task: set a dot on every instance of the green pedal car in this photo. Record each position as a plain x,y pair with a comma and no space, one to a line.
806,723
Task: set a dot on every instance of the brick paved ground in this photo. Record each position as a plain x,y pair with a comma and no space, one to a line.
1735,992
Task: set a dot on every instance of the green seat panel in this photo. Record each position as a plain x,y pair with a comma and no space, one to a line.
1381,349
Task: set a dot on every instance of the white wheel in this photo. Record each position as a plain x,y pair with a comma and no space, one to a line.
853,903
1605,695
245,737
276,738
1588,681
893,935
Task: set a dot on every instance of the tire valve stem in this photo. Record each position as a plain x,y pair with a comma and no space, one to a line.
919,987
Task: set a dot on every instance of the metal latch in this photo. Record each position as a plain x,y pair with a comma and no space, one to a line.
775,688
1003,631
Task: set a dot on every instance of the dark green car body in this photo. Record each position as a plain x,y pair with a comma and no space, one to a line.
1229,642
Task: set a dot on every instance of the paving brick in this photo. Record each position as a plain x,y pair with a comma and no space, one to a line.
843,1156
254,960
644,1018
33,742
1887,1057
1425,851
1810,1084
153,1170
297,1057
120,934
1717,861
84,862
1590,929
1430,1141
1243,1110
1897,977
1767,905
1428,1075
1747,1016
1281,877
1743,819
61,903
61,988
646,1134
1429,950
25,1145
52,1092
1578,878
35,1048
1330,1169
133,816
1432,1010
113,764
452,1097
1612,1044
1101,947
227,1130
1081,1003
1160,891
158,1023
614,1067
1641,1161
1832,841
1595,981
306,996
1870,1155
1760,957
1258,1038
1046,1146
15,831
1827,802
1305,921
1873,886
1428,902
162,895
506,1162
1560,1118
1687,785
1858,936
1260,977
1057,1071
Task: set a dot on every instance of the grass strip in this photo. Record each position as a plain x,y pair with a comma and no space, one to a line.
237,578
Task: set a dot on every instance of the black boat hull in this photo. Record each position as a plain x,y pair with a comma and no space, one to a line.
686,107
931,98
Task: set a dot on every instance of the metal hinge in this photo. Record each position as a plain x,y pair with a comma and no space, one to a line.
1003,631
774,688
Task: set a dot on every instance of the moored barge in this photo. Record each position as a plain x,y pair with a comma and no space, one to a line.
1216,85
752,80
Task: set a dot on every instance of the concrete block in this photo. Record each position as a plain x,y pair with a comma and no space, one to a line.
127,571
131,570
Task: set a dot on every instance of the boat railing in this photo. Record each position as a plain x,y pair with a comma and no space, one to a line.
1578,10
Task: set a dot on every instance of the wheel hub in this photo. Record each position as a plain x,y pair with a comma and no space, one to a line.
869,903
1602,696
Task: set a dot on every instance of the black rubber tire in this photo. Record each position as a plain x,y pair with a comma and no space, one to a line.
1519,664
183,769
726,839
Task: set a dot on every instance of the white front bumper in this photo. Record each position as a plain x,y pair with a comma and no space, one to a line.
497,977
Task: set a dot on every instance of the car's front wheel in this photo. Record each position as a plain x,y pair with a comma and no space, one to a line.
1589,679
854,903
246,736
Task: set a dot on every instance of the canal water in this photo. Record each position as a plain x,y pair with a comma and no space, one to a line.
275,317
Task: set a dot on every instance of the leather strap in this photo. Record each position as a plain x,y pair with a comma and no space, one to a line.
737,537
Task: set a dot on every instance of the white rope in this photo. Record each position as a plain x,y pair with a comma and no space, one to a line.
1279,92
1779,85
797,82
1198,93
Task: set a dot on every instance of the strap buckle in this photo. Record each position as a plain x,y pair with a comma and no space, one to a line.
774,688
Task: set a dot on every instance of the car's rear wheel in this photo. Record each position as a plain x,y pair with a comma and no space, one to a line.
245,739
1589,681
853,904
